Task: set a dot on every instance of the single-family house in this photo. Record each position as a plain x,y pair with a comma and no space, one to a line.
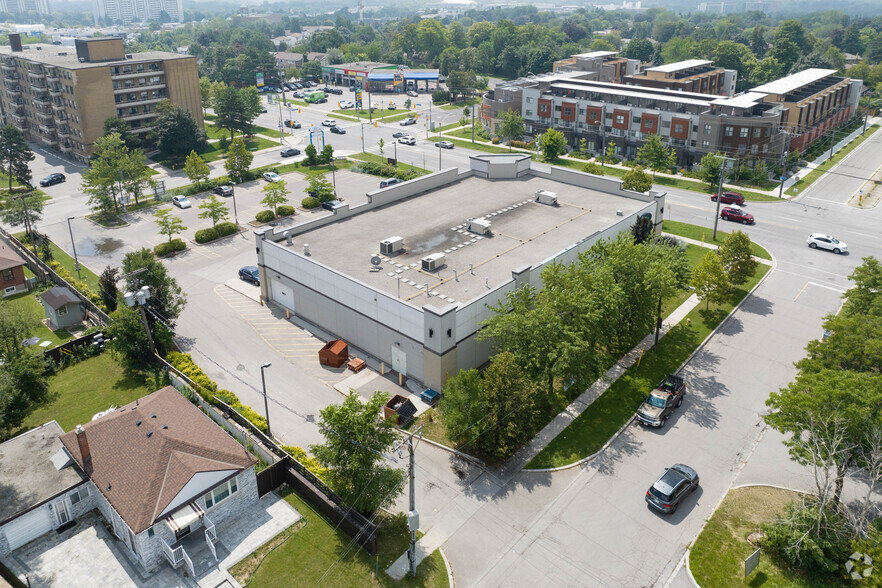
63,308
12,276
156,470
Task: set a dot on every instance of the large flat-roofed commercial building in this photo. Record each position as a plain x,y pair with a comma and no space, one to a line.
410,275
60,97
379,77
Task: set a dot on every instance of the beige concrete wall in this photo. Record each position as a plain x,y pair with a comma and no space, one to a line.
93,94
182,80
106,49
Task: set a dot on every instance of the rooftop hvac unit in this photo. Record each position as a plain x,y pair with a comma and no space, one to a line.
480,226
546,197
391,245
433,262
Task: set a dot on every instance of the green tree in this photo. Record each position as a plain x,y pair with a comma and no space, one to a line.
177,132
512,127
553,144
251,104
767,70
639,49
462,406
214,209
853,342
233,110
312,158
24,385
637,180
24,210
102,180
790,43
356,437
238,160
168,223
205,91
135,176
117,125
319,187
642,229
380,145
864,297
275,194
611,151
678,49
737,56
711,168
166,297
737,257
128,339
709,279
327,154
15,154
196,168
656,155
107,285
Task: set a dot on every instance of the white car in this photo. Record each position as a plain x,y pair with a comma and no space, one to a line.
181,202
347,104
821,241
272,177
407,140
329,122
412,93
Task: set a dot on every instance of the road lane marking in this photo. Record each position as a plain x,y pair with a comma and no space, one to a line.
801,291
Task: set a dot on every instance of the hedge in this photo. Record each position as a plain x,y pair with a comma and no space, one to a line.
206,235
208,388
592,168
285,210
225,228
310,463
385,170
169,247
310,202
524,144
265,216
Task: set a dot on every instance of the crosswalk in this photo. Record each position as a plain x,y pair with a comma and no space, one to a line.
270,322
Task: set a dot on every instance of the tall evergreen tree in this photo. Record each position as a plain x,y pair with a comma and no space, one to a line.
15,154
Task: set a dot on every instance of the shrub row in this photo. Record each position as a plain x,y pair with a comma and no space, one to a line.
386,170
168,247
524,144
310,463
286,210
310,202
208,388
265,216
212,233
78,285
592,168
495,140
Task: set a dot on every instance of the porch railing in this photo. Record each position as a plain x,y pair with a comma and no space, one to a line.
210,535
189,563
174,555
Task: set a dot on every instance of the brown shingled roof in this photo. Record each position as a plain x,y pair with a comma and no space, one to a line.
9,258
140,475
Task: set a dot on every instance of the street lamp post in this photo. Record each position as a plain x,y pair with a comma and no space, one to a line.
73,246
334,176
265,403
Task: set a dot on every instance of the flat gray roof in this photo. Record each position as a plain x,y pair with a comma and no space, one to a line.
54,55
594,54
680,65
745,100
29,477
794,81
524,232
636,92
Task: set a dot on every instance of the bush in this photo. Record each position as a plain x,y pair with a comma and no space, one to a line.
495,140
439,96
310,463
310,202
285,210
483,134
524,144
592,168
206,235
225,228
168,247
265,216
794,536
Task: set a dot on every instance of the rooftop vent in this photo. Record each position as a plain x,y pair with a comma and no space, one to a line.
82,60
165,426
152,416
138,424
546,197
62,53
149,434
481,226
433,262
391,245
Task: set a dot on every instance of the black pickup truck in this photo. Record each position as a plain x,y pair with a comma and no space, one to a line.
659,403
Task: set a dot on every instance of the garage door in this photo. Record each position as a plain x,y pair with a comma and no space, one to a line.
283,294
28,527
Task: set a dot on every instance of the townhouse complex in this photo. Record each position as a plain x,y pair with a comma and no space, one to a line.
60,97
602,98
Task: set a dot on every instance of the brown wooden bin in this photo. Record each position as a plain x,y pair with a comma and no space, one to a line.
334,354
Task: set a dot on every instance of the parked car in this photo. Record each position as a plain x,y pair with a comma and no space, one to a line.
321,100
389,182
337,91
263,108
52,179
249,273
290,152
407,140
444,144
329,122
408,121
662,401
338,130
292,124
224,191
332,204
412,94
736,214
821,241
312,84
271,177
299,94
344,104
181,202
398,134
669,490
298,86
730,198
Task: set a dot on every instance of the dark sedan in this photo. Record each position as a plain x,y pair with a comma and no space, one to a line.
734,214
338,130
249,273
730,198
290,152
52,179
670,489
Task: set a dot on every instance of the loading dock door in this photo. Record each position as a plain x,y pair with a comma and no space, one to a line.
283,294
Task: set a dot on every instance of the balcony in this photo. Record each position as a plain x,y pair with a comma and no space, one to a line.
55,92
19,115
141,129
57,107
64,132
64,147
42,101
43,115
39,87
8,66
141,102
48,128
139,116
49,140
139,88
11,77
36,75
21,125
53,78
137,74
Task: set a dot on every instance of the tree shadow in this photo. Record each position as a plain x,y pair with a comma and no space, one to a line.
757,305
704,388
608,460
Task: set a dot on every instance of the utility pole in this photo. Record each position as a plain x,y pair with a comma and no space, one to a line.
282,86
781,187
720,192
74,247
473,123
362,137
413,517
603,135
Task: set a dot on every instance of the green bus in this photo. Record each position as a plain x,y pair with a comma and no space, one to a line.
314,96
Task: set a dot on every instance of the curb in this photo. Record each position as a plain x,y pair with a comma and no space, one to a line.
682,365
450,581
97,224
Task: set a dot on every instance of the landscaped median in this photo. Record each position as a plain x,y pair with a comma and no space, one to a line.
601,420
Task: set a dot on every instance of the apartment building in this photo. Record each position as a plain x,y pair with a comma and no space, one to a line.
24,6
137,11
692,75
60,98
603,66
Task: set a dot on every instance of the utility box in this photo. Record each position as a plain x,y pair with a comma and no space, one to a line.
433,262
546,197
481,226
413,521
391,245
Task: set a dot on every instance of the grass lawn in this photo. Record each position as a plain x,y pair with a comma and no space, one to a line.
213,153
459,105
207,116
5,195
704,234
812,176
717,558
377,159
85,388
215,133
87,276
28,303
313,550
384,115
606,415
